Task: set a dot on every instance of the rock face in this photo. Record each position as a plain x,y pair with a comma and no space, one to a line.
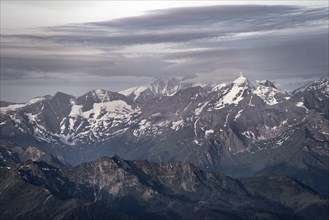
11,154
113,188
239,128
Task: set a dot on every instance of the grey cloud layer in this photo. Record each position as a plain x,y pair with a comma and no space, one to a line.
256,17
272,42
183,25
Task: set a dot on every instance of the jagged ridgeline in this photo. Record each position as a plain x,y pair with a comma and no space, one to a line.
238,128
113,188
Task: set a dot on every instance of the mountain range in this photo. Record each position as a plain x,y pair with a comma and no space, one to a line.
113,188
239,128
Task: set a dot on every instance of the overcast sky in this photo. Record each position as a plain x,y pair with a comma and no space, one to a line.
76,46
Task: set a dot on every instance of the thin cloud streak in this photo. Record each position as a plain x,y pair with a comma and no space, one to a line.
182,25
273,42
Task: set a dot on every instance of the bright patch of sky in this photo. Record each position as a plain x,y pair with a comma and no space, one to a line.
18,15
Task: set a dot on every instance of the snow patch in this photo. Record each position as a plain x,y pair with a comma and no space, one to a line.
101,94
114,109
47,198
248,134
197,142
134,90
11,108
31,117
139,90
280,142
15,107
301,105
177,124
16,120
144,124
234,96
128,91
267,94
238,115
76,110
218,87
35,100
199,110
208,132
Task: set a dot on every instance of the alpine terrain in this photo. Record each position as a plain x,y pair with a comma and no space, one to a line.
168,150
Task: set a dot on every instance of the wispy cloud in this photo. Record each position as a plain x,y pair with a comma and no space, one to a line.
272,42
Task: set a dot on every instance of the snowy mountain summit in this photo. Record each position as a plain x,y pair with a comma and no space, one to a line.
159,87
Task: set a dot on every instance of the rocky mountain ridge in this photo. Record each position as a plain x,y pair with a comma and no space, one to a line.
120,189
238,128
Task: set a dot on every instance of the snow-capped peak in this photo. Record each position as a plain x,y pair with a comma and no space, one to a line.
321,85
235,92
99,91
160,86
101,94
267,91
240,80
98,95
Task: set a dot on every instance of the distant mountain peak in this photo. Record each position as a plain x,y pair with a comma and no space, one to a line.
99,91
63,97
99,95
241,80
163,86
160,86
322,84
60,94
266,83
